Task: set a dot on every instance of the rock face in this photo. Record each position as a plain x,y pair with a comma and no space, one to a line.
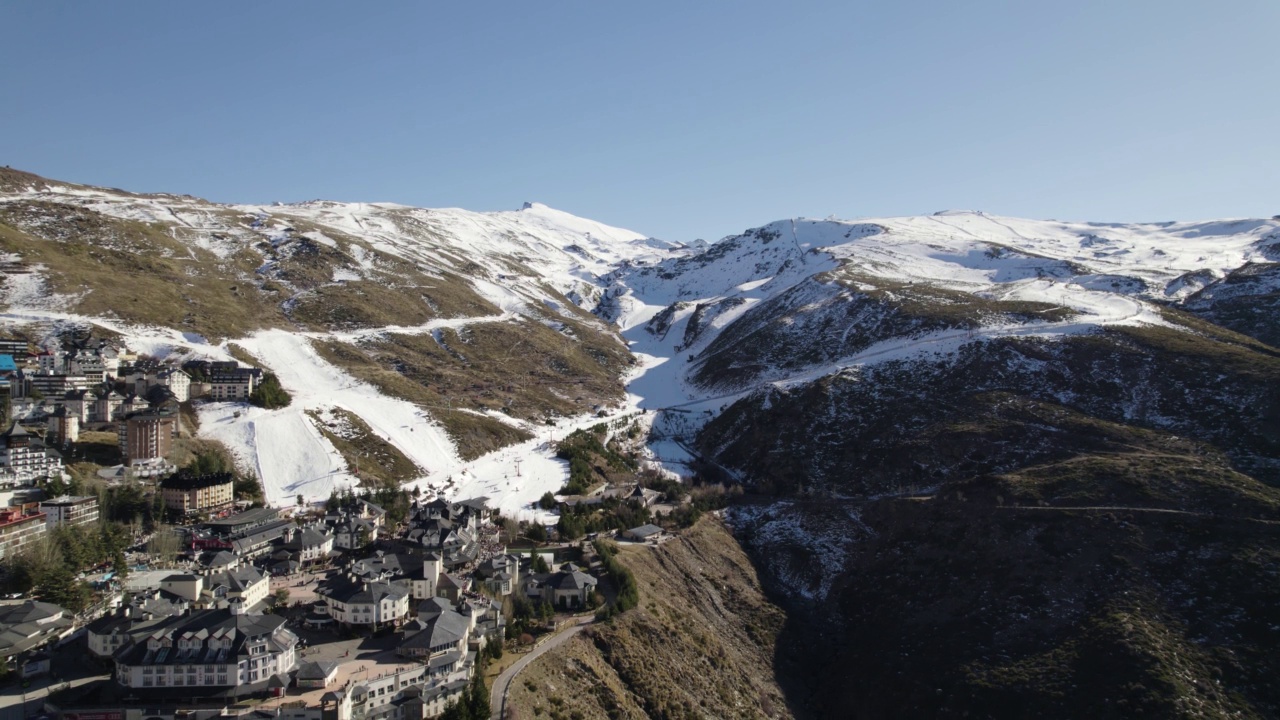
700,644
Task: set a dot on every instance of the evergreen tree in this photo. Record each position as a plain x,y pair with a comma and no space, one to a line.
120,565
60,587
478,697
537,533
455,711
569,527
269,394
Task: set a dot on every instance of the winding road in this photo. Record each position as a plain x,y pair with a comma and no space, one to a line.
498,694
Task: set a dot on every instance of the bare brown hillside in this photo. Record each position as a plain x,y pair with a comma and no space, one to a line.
699,645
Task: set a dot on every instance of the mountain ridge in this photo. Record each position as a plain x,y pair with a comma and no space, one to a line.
901,396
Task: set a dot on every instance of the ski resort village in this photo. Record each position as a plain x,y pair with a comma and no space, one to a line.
154,573
363,461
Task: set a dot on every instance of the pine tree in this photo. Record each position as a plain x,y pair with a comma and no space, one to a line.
455,711
478,697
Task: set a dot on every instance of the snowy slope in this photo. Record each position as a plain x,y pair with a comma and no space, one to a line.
515,260
824,287
802,285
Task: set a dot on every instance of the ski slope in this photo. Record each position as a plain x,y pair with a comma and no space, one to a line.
533,258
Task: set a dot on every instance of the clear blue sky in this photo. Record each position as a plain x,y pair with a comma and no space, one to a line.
676,119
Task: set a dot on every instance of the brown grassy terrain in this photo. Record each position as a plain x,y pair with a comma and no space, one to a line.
135,271
523,369
1098,538
381,463
699,645
473,434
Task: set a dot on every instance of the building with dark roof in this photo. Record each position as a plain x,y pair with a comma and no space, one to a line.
500,574
242,589
30,625
309,545
208,652
356,602
317,674
444,635
24,458
642,533
567,588
187,493
261,539
242,521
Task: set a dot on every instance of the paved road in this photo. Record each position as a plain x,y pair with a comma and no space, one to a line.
17,705
498,695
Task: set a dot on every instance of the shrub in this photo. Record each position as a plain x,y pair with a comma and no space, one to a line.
628,592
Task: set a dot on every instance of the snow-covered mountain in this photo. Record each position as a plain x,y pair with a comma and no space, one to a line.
337,298
1006,452
798,300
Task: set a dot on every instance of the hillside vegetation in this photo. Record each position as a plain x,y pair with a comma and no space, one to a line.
699,645
1084,527
816,322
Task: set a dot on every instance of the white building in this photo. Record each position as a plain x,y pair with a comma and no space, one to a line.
242,588
209,651
24,459
311,546
233,384
70,510
355,602
178,382
88,363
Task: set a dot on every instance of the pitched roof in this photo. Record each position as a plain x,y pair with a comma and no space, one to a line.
447,628
29,611
15,431
239,629
432,607
571,580
317,670
311,538
347,591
